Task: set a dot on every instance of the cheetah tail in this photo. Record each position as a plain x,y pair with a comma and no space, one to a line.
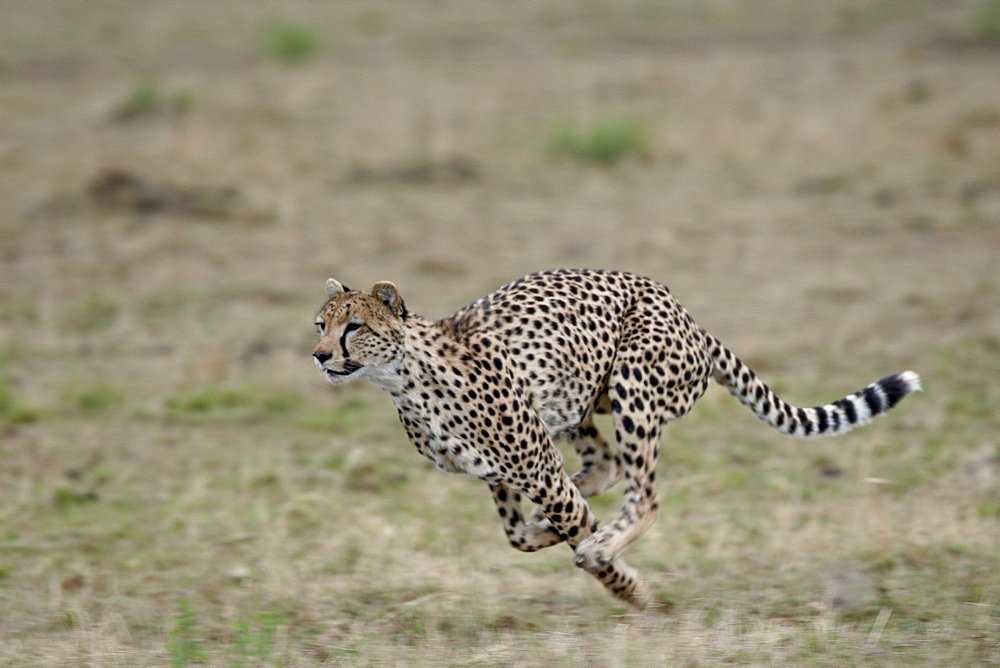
837,417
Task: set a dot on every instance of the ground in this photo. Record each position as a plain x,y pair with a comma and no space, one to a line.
817,182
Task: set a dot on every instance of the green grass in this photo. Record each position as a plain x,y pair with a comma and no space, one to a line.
250,640
986,21
148,98
292,42
606,142
186,644
229,402
13,410
18,309
93,399
267,541
95,312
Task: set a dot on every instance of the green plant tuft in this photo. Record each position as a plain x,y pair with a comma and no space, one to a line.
185,643
145,98
255,638
292,43
148,99
99,398
12,410
96,312
608,141
986,21
65,497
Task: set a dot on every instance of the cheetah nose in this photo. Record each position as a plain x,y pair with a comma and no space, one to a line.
322,357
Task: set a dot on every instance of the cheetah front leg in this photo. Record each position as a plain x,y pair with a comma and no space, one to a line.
572,518
524,536
600,468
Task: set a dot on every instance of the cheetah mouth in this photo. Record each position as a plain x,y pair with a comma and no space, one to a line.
349,368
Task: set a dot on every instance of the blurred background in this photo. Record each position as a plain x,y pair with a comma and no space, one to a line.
819,183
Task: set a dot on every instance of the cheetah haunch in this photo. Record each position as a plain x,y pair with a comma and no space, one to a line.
485,391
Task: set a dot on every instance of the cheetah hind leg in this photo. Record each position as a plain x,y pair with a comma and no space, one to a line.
600,468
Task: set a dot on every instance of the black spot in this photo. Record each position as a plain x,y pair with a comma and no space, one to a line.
628,424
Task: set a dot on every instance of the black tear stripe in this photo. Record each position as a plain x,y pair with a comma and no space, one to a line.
343,343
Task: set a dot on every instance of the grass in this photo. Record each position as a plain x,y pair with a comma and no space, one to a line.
13,408
292,42
606,142
147,98
244,519
96,312
93,399
231,402
179,486
986,20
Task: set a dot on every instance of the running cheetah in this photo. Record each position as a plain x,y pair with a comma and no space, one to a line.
485,392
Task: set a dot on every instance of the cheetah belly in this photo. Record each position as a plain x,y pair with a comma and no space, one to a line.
453,455
562,412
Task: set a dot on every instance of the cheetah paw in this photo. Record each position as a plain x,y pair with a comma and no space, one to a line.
592,553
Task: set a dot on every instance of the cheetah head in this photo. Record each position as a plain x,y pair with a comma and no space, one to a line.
360,333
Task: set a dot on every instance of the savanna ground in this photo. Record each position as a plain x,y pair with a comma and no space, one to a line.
818,182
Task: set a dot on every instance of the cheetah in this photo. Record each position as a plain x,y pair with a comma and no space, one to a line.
486,391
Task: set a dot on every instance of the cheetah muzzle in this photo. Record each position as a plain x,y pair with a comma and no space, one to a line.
486,391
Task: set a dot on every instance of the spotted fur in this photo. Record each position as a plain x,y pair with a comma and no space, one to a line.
486,391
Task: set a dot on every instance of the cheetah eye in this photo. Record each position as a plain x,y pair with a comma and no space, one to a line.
320,326
352,327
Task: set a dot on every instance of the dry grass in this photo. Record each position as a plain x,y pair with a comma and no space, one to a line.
818,183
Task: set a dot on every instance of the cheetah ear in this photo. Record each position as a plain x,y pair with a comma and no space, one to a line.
386,293
333,286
